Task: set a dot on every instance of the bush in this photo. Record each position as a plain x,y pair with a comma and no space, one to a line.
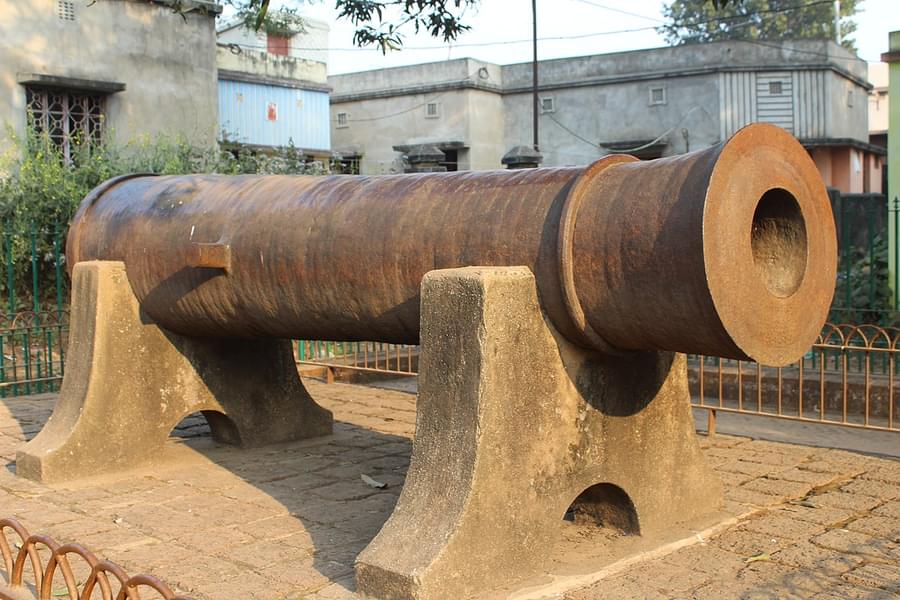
863,291
40,192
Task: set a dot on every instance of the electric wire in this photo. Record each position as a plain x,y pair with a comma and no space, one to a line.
656,140
560,37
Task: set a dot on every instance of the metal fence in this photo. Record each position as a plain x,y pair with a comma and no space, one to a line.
39,566
866,291
34,326
849,377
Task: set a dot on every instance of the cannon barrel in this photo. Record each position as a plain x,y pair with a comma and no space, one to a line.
727,251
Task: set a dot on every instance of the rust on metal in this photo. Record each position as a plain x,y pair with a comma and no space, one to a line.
728,251
111,580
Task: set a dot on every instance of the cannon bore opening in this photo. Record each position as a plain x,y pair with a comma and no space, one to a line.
778,241
604,505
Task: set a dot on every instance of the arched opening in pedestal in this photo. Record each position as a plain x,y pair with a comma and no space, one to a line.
605,505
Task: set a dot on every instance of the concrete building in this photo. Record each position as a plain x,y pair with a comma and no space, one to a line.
120,67
650,103
273,89
878,104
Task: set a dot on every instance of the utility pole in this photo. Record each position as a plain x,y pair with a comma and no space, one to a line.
837,22
534,74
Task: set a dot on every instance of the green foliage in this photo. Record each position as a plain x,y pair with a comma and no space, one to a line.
378,22
40,192
255,14
863,291
692,21
440,18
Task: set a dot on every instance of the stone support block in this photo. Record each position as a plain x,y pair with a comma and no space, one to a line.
128,382
518,428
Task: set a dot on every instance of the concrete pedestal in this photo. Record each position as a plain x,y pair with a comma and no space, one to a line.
515,425
128,383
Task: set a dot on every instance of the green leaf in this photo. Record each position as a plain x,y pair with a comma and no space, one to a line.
764,557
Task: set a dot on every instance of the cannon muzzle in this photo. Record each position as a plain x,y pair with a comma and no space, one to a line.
727,251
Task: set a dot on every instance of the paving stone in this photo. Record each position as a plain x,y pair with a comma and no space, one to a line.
807,510
288,521
807,556
746,543
881,527
261,554
773,459
768,579
622,587
778,487
754,469
783,525
751,497
846,591
888,471
888,509
708,558
799,474
733,480
834,468
872,487
339,590
798,453
852,542
885,577
839,499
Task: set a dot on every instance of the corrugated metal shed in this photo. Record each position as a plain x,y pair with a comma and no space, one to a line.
792,99
269,115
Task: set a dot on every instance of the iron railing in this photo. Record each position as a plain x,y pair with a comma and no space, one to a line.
34,564
849,377
32,352
867,289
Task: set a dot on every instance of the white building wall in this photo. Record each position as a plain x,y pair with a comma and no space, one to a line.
166,61
311,44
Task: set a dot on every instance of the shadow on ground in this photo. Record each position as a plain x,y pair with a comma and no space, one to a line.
319,482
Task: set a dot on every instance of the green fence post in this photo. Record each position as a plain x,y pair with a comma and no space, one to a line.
10,269
845,253
48,335
870,226
58,267
896,252
2,366
62,348
35,289
26,351
39,385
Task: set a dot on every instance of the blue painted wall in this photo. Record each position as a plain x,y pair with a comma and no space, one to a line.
301,115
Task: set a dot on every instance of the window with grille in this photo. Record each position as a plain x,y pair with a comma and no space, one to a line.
68,118
65,10
775,88
342,120
432,110
657,95
548,105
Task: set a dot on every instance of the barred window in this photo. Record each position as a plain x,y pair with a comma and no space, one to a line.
67,117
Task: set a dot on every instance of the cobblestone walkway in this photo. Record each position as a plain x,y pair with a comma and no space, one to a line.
288,521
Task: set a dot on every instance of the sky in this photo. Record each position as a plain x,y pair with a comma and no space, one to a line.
509,21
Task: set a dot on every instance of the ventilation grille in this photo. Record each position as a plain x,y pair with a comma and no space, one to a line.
65,10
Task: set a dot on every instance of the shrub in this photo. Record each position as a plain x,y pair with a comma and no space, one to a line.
40,192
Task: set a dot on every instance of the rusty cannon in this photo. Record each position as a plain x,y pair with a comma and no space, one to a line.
554,308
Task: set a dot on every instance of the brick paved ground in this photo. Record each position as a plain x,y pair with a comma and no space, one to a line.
287,522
